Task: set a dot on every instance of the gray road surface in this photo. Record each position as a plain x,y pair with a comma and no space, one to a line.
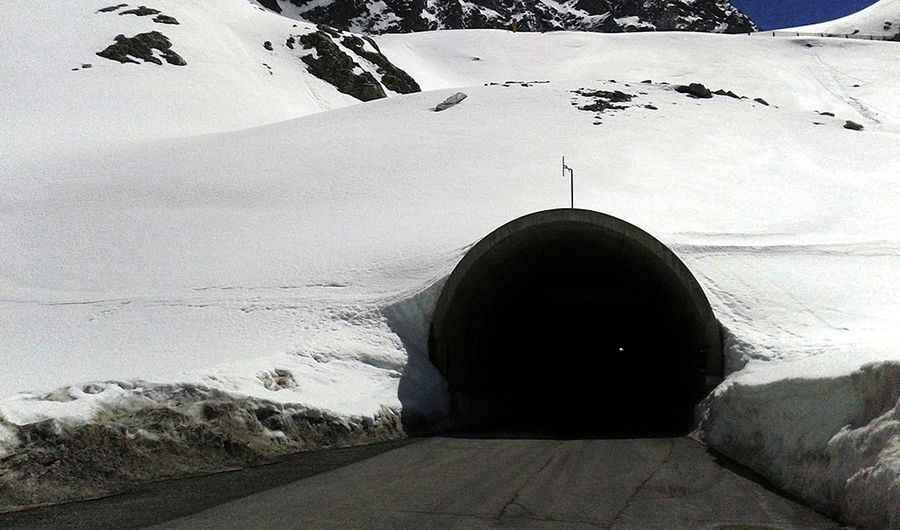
519,483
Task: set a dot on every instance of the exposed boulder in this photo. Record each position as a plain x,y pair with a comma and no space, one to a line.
165,19
853,126
451,101
141,46
694,90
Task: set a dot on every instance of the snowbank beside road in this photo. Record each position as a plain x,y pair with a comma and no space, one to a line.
832,440
141,431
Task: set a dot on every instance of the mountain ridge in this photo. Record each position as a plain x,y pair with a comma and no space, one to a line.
602,16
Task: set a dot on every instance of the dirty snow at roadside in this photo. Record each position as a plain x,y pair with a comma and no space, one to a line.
291,262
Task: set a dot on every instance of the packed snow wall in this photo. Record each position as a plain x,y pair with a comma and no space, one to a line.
575,320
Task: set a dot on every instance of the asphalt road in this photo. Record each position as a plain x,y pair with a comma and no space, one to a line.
472,483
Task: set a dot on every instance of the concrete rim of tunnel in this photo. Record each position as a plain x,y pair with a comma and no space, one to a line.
613,227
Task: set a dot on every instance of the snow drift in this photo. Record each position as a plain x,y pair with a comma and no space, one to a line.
833,441
881,19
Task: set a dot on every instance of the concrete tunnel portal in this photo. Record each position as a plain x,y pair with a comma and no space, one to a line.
574,321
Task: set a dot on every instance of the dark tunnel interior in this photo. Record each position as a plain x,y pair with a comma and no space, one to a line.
565,328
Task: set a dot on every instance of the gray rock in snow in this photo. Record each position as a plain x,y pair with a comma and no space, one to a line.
695,90
455,99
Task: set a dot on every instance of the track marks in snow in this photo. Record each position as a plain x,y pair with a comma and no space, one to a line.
827,76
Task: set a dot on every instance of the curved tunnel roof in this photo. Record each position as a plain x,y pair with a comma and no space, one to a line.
618,239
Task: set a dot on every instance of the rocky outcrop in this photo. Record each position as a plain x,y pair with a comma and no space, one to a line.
337,68
603,100
335,62
141,46
608,16
695,90
392,77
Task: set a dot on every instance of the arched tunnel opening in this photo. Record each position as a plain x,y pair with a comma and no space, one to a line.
574,322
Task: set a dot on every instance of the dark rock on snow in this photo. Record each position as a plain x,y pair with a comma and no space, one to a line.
761,101
695,90
336,67
165,19
604,100
392,77
853,126
141,11
110,8
728,93
142,46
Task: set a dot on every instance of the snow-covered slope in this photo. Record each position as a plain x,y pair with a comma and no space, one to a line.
881,18
296,262
59,96
284,213
606,16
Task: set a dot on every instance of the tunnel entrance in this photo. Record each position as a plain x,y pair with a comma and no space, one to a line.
574,322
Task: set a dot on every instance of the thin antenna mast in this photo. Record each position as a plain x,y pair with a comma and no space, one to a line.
571,181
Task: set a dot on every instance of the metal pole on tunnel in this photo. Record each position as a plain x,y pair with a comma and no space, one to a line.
571,181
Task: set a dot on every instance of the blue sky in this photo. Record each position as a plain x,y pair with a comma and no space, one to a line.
774,14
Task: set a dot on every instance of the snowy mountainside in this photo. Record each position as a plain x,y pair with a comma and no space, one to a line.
607,16
237,66
881,19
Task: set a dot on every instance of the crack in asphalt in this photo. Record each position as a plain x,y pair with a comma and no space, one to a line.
530,514
496,518
514,500
641,486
